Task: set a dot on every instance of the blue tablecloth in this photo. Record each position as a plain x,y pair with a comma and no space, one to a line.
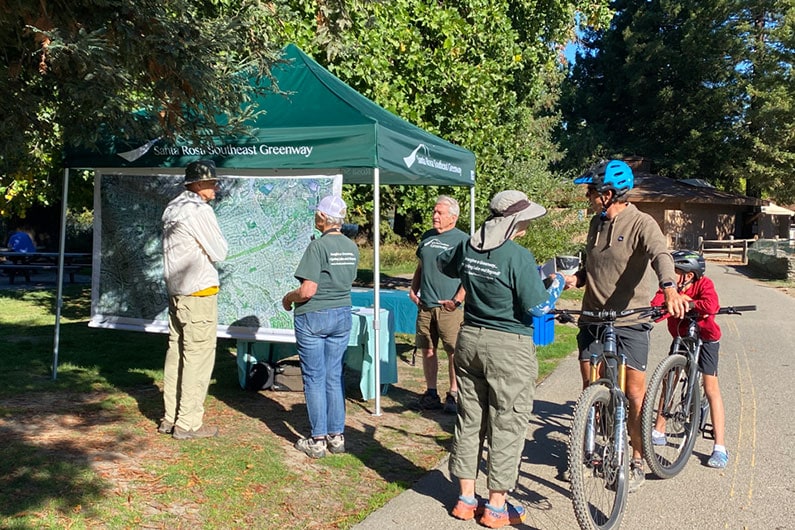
397,302
360,355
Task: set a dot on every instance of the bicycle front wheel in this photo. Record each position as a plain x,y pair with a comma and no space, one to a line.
598,463
674,401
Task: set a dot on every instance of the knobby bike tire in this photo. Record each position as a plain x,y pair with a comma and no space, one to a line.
598,481
667,394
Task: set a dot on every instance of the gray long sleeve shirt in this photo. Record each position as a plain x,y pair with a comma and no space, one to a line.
192,242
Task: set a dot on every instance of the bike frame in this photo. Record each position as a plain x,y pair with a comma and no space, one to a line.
598,444
689,345
614,367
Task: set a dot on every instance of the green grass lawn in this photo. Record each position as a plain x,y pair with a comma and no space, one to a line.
81,451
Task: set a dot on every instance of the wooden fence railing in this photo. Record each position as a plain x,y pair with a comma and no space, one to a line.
731,247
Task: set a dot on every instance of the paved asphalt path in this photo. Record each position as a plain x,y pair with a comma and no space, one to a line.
756,490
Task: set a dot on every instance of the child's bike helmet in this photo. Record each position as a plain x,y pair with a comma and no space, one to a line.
611,175
689,261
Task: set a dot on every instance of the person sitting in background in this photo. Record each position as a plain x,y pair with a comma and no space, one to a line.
20,241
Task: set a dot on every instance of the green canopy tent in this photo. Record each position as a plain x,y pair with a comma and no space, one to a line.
317,123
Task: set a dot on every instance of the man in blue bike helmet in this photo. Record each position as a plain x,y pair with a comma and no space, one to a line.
614,176
622,242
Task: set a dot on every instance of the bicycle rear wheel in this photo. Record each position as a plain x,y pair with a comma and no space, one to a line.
668,397
598,474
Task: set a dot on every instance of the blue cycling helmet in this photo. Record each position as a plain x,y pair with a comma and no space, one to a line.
611,175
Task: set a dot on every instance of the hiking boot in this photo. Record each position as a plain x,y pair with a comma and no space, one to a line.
335,443
205,431
427,401
165,427
508,515
311,447
450,406
718,460
465,511
658,438
637,476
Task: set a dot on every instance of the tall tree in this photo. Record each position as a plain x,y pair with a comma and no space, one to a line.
768,132
676,81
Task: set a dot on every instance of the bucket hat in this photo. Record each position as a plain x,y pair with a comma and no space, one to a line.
508,208
200,170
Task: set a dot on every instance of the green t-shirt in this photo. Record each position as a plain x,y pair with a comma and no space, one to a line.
434,285
501,285
331,262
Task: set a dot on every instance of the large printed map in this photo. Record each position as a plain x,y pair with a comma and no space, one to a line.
267,221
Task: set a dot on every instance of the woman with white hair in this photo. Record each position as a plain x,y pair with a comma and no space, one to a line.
496,365
321,307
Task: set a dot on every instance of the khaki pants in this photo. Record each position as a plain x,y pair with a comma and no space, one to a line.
496,373
190,358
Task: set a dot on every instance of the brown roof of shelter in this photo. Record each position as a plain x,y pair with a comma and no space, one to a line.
654,188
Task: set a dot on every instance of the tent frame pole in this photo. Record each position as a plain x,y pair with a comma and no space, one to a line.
471,210
59,290
377,286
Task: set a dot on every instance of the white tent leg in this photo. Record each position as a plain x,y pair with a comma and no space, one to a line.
59,292
472,210
377,286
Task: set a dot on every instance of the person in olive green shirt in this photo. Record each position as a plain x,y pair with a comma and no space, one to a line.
322,316
496,363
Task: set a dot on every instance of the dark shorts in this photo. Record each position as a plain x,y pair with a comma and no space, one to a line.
436,323
708,358
633,341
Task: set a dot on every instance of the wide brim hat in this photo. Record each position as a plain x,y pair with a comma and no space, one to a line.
508,209
200,170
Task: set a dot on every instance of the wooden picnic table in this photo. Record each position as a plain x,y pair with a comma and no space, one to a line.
25,263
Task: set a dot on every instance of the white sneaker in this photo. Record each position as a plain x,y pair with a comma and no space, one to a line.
658,438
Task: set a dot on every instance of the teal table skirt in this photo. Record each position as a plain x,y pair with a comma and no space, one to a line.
360,355
397,302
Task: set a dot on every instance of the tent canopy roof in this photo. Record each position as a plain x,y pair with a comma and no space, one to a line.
319,123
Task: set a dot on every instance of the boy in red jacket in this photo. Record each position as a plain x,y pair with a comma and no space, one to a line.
700,291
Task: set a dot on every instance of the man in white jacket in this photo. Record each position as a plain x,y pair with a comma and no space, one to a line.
192,243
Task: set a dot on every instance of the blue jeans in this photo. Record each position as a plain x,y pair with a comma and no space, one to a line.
322,338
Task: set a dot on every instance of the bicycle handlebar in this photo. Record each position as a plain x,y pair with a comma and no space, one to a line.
735,310
608,315
654,312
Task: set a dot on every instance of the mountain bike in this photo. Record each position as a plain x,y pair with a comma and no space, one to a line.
675,396
599,442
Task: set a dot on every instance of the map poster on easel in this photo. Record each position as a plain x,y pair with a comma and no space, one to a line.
267,221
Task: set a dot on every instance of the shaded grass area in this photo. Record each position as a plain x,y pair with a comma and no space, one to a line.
81,451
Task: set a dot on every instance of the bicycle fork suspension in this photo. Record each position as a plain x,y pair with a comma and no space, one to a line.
620,428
